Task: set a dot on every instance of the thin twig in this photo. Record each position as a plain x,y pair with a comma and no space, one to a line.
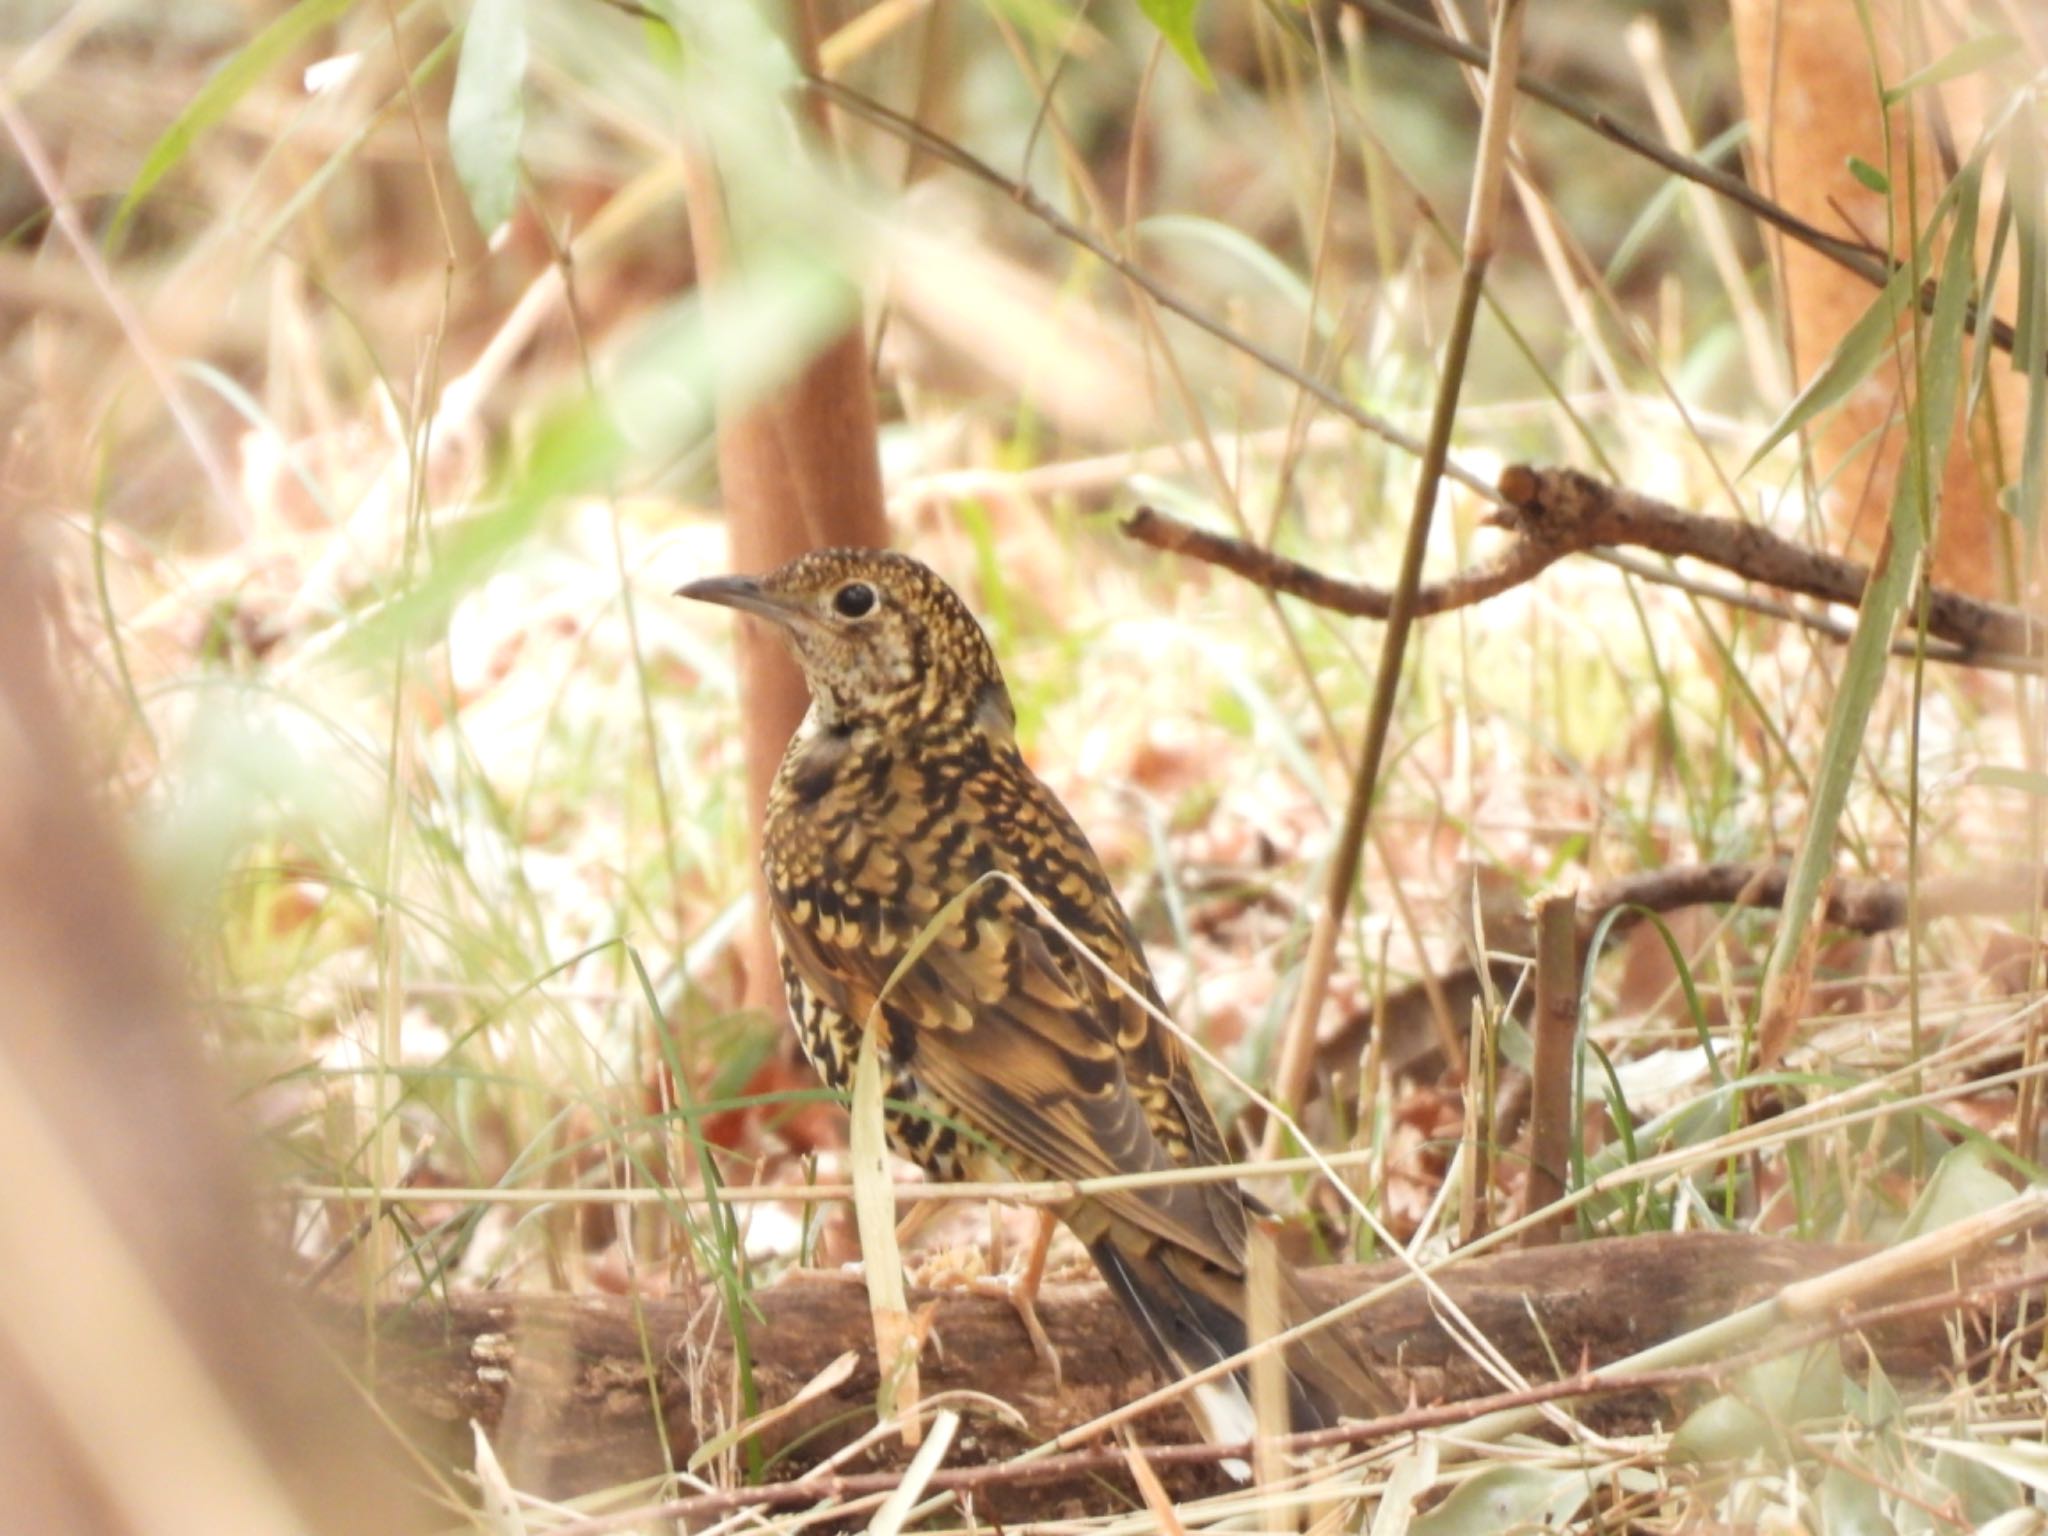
949,153
1297,1046
1526,560
1575,510
1036,1192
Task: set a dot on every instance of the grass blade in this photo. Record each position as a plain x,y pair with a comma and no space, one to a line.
230,83
1919,488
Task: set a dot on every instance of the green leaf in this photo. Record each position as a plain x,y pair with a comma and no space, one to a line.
2025,780
1720,1430
1962,1185
1237,246
1862,347
1941,370
1507,1498
658,396
2013,1522
1750,1420
1963,59
2024,176
215,99
1870,176
1175,20
487,113
1851,1506
1982,1476
1919,487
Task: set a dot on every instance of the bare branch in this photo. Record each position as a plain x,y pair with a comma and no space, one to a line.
1574,511
1558,512
1262,567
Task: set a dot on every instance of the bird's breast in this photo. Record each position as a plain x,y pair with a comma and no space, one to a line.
869,839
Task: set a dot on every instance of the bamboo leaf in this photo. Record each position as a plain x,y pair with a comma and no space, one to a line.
2021,1461
501,1512
898,1336
1941,370
1870,176
1861,348
1981,1491
896,1509
2030,327
1851,1506
215,99
874,1210
1963,1185
2025,780
1919,487
1963,59
487,113
1507,1498
1175,20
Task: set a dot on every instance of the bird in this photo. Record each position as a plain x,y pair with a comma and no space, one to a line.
1006,1054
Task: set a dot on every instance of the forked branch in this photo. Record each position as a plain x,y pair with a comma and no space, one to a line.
1560,512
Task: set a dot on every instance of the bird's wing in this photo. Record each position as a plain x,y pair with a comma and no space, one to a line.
1021,1043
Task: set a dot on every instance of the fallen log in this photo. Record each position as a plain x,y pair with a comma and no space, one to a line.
578,1393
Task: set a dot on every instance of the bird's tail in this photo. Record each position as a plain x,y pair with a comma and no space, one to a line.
1192,1314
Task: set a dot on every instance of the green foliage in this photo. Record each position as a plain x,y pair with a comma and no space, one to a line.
1962,1185
1939,356
1966,58
1175,20
487,113
245,68
1767,1404
1507,1498
1870,176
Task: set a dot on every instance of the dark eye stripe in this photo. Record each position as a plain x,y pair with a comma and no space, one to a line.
854,599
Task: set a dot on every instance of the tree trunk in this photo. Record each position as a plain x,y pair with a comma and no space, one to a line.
799,470
1810,87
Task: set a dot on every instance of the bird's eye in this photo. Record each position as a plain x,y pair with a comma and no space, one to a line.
854,600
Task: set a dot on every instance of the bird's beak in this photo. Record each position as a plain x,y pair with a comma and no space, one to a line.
745,594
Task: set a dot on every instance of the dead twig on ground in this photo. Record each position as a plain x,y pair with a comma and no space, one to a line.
1861,906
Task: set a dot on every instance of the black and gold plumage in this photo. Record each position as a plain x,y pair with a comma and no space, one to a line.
903,786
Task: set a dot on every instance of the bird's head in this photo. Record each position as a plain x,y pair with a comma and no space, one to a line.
881,639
